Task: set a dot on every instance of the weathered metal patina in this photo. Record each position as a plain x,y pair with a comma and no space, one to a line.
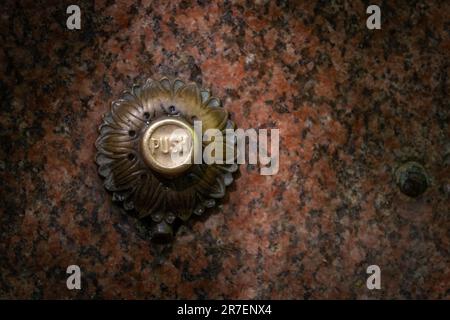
136,146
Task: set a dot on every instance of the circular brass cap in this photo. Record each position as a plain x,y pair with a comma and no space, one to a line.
167,146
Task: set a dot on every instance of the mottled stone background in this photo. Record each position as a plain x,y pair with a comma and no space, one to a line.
352,104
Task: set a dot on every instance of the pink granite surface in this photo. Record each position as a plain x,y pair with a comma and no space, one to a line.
352,104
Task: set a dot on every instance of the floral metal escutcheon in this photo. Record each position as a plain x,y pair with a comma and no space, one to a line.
138,141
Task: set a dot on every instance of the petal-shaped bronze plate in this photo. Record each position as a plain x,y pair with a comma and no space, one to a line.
136,145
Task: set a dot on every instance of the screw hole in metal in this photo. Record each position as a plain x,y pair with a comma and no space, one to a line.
132,133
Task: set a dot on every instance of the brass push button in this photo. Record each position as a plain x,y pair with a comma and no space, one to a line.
167,146
147,147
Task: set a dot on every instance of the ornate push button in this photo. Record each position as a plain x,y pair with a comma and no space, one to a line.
146,153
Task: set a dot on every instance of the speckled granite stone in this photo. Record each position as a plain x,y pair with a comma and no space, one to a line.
351,104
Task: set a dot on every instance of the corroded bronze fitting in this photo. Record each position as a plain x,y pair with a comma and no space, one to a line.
412,179
146,149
